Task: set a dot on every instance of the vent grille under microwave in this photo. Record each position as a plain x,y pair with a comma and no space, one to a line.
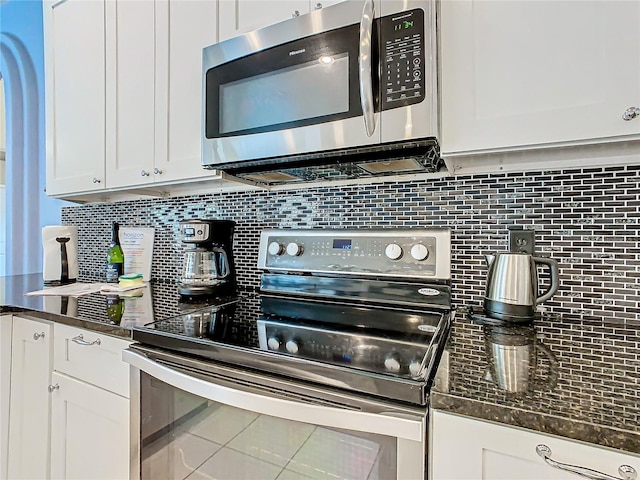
409,157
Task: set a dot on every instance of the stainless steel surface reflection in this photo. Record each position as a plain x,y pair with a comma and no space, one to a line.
518,361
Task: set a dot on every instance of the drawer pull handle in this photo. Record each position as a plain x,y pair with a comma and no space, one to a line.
51,388
81,341
626,472
38,336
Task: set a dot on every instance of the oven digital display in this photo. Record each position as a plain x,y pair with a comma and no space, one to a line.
342,243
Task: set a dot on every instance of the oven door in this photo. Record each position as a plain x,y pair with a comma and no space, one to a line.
198,419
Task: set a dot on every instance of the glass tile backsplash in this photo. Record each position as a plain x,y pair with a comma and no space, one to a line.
587,219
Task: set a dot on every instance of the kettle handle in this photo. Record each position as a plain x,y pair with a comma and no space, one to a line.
555,278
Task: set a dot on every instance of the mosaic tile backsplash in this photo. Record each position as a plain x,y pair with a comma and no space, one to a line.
587,219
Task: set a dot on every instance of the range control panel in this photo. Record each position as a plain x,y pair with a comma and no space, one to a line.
419,253
375,354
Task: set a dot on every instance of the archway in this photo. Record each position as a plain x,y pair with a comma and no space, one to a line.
23,135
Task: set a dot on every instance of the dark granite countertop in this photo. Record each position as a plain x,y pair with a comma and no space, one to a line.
158,301
562,375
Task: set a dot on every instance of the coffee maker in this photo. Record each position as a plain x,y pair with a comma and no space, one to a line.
208,267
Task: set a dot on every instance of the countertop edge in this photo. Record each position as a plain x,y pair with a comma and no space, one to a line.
100,327
571,429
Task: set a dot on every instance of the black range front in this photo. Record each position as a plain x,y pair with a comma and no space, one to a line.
364,311
323,373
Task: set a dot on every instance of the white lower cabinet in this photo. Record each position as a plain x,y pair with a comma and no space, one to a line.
467,449
5,389
90,406
29,402
89,431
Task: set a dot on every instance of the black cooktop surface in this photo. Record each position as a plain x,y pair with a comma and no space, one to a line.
379,350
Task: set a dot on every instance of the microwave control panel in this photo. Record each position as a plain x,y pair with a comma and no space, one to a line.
403,60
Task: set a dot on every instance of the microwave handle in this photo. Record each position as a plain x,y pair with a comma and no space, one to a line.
364,61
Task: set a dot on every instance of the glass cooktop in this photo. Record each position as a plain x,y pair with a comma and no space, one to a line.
355,346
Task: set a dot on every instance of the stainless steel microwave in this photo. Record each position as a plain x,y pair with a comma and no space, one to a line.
351,84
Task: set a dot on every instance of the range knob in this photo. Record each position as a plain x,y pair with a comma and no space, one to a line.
392,363
293,249
393,251
414,367
292,346
275,248
273,343
419,252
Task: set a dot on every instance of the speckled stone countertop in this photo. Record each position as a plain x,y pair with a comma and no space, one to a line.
158,301
562,375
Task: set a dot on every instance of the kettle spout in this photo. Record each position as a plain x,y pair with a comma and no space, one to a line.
489,259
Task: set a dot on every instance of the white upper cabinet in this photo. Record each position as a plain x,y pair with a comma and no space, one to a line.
123,92
185,27
74,95
242,16
130,92
522,74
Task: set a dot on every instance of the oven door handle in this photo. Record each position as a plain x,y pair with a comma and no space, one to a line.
365,63
381,424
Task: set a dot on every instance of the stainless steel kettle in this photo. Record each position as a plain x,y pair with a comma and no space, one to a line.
512,285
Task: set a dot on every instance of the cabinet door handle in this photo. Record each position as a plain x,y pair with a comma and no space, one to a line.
626,471
51,388
157,171
631,113
95,180
317,6
38,336
81,341
296,13
144,173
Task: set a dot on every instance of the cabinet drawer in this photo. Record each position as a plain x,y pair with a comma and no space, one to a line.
91,356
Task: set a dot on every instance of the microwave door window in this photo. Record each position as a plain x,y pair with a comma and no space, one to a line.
314,89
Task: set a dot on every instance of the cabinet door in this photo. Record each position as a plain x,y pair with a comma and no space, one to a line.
130,92
74,35
89,431
529,73
467,449
5,388
29,399
242,16
184,28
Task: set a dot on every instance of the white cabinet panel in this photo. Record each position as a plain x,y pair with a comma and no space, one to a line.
468,449
185,27
130,92
242,16
526,73
75,95
92,357
28,455
89,432
5,389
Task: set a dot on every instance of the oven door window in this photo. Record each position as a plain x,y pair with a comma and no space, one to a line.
305,82
184,435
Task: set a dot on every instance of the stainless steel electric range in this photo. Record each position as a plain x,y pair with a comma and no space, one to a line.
341,343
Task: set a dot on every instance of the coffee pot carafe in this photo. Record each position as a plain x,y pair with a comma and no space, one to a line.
207,267
512,285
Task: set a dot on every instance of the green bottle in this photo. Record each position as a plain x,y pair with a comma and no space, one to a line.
115,257
114,308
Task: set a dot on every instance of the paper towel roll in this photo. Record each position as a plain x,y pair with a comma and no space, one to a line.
52,258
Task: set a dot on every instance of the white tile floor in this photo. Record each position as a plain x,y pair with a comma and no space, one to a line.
226,443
